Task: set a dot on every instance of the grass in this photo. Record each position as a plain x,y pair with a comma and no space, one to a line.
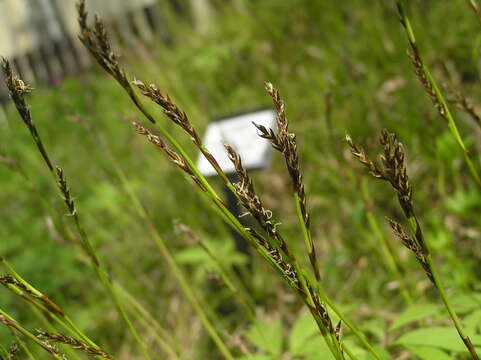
339,67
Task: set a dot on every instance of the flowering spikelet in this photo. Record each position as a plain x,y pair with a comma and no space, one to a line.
98,44
245,191
285,142
171,154
410,243
74,343
17,89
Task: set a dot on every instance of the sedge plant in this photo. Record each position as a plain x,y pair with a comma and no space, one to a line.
392,169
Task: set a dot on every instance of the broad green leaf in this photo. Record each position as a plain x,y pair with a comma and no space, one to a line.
412,314
256,357
441,337
428,353
304,328
266,336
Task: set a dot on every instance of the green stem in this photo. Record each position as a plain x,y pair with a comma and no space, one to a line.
443,108
389,258
349,324
149,322
15,325
24,347
105,280
180,277
307,239
447,304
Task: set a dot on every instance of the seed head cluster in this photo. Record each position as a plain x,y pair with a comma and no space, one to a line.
409,242
96,41
74,343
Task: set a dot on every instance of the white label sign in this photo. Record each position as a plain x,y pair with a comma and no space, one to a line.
241,134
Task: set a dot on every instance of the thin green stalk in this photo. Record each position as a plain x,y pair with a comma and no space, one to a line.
96,41
433,90
51,309
349,324
12,323
306,232
149,322
176,270
442,292
450,309
390,256
41,316
17,90
476,9
24,347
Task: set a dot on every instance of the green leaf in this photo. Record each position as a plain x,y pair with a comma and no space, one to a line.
428,353
304,328
255,357
266,336
412,314
441,337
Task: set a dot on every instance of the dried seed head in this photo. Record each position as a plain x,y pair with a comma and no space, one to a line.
171,154
171,110
98,44
45,344
64,189
412,243
337,331
74,343
360,154
17,89
12,352
393,167
288,271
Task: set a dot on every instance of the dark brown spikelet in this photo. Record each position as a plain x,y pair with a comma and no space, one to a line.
285,142
412,244
97,42
288,271
74,343
419,67
180,118
8,280
12,352
393,170
420,72
246,193
170,109
43,343
72,211
17,89
64,189
360,154
171,154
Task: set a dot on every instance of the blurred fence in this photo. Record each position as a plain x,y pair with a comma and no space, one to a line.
39,37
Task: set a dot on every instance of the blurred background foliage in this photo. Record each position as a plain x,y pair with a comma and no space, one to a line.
340,66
